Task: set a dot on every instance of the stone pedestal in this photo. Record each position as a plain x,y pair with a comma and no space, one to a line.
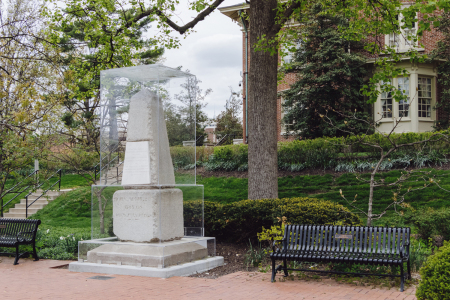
146,255
148,215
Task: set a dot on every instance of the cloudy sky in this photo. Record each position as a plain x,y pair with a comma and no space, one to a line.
213,53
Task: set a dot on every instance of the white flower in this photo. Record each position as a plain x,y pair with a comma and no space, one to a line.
73,238
48,230
68,235
62,238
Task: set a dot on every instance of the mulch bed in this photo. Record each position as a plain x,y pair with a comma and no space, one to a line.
233,255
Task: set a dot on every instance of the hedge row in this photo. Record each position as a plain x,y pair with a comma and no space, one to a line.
242,220
340,153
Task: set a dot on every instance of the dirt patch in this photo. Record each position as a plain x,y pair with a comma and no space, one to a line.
234,256
281,173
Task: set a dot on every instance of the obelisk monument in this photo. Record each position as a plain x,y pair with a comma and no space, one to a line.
149,209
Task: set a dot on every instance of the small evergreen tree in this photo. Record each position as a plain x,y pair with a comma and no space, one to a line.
443,52
331,71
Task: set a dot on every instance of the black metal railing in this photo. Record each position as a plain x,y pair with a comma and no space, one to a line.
47,180
226,139
11,191
98,167
111,164
199,140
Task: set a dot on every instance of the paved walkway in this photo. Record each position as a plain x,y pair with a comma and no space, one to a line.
38,280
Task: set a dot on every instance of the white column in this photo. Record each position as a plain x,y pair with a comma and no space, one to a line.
414,107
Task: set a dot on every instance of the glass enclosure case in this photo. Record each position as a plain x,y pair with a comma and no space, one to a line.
147,209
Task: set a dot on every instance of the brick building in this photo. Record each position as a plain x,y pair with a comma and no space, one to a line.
417,114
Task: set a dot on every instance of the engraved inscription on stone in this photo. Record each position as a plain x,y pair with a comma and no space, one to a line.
130,208
137,164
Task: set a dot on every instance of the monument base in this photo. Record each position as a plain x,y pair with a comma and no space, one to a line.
186,269
145,255
148,215
182,257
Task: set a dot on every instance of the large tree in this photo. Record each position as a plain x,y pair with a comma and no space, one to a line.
331,71
267,19
29,88
85,51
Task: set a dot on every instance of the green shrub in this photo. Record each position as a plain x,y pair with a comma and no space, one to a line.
344,154
435,279
418,253
58,243
430,222
242,220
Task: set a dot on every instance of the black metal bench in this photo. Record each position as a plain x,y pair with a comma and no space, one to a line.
16,232
343,244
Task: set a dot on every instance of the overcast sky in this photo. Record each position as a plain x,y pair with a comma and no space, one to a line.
213,53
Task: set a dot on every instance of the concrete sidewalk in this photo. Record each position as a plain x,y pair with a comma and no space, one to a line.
39,280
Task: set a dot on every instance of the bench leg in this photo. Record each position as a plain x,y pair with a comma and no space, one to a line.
409,269
402,276
285,268
36,258
274,270
17,255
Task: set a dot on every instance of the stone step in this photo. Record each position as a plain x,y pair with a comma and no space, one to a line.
33,197
31,210
40,201
19,210
49,193
34,205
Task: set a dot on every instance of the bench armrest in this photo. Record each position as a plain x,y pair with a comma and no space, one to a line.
404,249
21,239
275,249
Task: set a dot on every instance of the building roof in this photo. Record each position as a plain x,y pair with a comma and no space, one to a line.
232,11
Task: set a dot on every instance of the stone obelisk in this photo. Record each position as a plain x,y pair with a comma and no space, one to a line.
149,209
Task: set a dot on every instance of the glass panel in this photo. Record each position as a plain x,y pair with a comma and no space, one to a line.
173,111
113,208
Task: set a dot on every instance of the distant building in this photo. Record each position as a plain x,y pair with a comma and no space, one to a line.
210,130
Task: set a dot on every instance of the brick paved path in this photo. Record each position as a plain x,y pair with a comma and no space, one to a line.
37,280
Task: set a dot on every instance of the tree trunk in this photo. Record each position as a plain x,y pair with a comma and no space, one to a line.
369,212
262,105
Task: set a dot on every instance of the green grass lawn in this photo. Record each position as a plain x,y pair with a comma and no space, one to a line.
226,190
68,181
73,209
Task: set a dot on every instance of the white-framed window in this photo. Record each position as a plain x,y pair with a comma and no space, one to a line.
403,105
386,104
289,55
404,40
420,99
286,125
424,91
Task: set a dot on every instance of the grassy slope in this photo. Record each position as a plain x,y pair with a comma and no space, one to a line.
69,181
73,208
